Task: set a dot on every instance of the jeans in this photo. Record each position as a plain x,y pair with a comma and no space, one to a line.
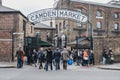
48,63
104,60
19,63
57,65
78,61
40,64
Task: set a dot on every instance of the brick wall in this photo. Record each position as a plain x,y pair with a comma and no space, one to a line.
11,23
5,50
6,28
99,43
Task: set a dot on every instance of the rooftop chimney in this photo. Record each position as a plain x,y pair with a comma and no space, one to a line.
0,2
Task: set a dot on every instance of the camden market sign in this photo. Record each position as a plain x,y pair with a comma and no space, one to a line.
47,14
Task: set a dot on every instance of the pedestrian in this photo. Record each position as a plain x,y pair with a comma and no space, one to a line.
65,56
19,55
104,56
111,56
57,56
29,57
49,58
34,57
74,55
23,57
79,57
91,57
85,57
40,58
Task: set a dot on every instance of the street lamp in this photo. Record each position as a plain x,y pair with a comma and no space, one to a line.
77,42
91,39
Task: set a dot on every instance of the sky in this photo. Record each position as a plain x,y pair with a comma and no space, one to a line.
29,6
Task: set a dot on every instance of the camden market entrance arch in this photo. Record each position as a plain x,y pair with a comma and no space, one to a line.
53,13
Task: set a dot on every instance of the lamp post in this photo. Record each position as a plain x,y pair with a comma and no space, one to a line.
77,42
12,47
91,39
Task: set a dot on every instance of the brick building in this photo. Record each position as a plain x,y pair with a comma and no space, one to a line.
45,32
104,20
14,26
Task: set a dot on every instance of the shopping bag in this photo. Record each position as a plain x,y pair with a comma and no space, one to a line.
70,62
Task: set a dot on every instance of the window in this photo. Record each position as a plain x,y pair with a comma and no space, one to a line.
79,10
60,27
79,24
37,34
24,25
29,40
99,25
31,29
56,28
49,38
99,13
64,25
116,15
48,34
51,24
116,26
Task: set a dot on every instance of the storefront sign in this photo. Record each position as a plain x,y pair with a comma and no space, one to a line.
47,14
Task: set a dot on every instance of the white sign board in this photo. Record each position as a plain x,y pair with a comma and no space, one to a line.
46,14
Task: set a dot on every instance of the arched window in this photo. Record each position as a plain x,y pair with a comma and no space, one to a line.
56,28
37,34
79,10
116,26
116,15
99,25
99,13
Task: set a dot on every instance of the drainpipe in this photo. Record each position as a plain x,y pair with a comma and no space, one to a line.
12,46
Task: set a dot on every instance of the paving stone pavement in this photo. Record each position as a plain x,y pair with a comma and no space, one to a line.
115,66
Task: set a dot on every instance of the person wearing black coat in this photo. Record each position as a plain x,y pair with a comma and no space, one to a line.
91,57
19,55
57,56
49,58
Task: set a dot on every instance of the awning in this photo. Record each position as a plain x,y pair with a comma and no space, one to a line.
45,44
83,43
80,41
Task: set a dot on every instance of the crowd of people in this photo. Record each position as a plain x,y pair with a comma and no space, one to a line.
48,57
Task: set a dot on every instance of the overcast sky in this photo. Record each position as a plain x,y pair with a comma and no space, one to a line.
28,6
